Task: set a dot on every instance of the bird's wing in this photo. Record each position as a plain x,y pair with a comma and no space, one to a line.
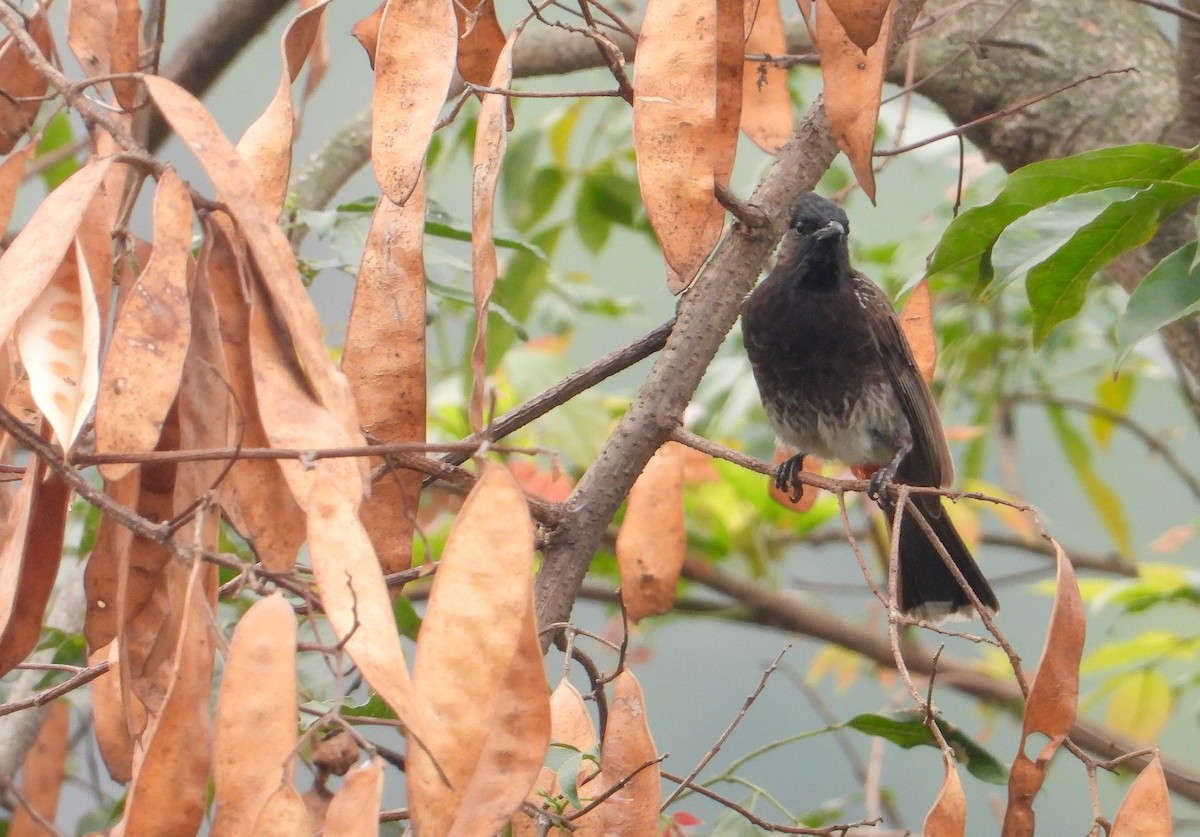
929,462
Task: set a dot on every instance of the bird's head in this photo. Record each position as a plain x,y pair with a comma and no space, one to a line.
819,218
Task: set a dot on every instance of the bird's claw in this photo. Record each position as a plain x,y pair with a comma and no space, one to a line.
879,483
786,477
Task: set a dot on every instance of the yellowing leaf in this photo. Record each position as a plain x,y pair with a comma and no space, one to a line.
652,541
674,120
1140,705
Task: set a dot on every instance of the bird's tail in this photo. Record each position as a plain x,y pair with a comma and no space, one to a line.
927,588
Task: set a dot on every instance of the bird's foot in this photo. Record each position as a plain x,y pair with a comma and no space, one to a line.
786,477
879,483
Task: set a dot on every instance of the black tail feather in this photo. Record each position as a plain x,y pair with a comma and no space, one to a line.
927,588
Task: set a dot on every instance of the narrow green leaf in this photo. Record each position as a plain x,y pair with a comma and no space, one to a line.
57,134
966,245
592,222
910,731
407,619
1104,500
1170,291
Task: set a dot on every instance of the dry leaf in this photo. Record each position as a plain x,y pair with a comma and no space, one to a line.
59,341
168,795
948,816
30,553
570,724
384,360
152,333
12,170
480,42
256,717
353,811
414,63
853,85
652,541
318,55
628,747
1053,697
18,80
267,144
730,64
474,666
861,19
127,52
366,32
1146,811
356,601
273,257
108,715
766,102
255,496
674,131
43,772
30,262
284,814
491,140
916,320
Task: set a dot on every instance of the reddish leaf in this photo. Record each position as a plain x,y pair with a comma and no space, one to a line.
861,19
21,86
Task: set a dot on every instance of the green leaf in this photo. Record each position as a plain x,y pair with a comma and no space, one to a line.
1056,288
1104,500
1140,704
591,222
1035,237
407,618
1115,394
1146,648
57,134
910,731
1170,291
966,245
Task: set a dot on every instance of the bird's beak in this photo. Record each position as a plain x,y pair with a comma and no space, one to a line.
833,228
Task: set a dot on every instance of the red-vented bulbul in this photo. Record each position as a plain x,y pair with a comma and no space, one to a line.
838,379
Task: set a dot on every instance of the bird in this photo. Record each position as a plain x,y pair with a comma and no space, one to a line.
837,379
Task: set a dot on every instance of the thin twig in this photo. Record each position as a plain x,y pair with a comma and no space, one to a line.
724,736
